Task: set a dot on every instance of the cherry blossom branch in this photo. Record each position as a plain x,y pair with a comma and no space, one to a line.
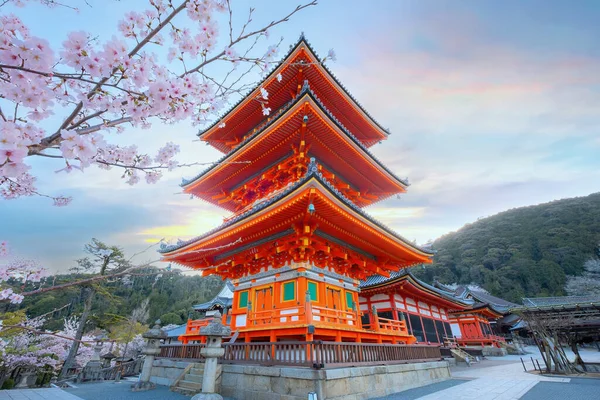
142,43
155,167
38,332
127,271
259,31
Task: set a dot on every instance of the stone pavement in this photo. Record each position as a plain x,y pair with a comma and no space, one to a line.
121,391
36,394
578,388
503,378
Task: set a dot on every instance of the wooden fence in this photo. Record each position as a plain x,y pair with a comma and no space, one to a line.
316,354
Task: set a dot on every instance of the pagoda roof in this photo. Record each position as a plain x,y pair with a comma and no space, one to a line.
223,236
232,165
403,276
224,299
247,112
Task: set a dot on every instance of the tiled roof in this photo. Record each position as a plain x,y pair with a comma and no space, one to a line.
493,300
224,299
312,172
305,90
378,279
559,301
301,40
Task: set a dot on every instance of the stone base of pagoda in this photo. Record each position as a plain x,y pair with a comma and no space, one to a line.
286,383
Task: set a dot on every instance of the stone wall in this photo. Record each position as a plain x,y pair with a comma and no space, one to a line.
165,371
353,383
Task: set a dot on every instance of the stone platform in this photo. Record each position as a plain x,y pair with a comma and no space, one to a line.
245,382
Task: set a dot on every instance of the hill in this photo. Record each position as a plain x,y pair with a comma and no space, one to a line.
522,252
171,297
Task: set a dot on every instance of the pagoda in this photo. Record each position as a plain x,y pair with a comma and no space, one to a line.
296,180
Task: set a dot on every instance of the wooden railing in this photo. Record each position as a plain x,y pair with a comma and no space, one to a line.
130,368
386,324
181,351
336,317
278,316
193,326
316,354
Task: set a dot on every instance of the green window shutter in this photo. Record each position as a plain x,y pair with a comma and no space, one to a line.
349,301
312,291
243,303
289,291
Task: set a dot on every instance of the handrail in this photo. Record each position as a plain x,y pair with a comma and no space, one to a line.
316,354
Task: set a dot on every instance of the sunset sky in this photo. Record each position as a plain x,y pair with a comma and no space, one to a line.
492,105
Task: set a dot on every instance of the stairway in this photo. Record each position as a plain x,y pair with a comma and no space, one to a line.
190,381
461,355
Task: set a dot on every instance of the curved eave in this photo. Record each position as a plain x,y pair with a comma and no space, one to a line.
484,309
311,176
253,93
287,110
419,285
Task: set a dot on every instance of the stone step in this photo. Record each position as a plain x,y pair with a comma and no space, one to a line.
197,371
185,391
193,378
190,385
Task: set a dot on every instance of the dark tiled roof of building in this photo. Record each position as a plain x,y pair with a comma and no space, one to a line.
375,280
559,301
224,299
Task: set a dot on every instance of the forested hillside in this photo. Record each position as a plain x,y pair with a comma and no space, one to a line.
523,252
171,296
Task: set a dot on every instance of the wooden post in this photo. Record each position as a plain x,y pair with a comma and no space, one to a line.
375,319
308,315
249,313
308,312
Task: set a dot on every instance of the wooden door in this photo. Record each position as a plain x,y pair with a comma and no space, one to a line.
334,298
264,302
470,330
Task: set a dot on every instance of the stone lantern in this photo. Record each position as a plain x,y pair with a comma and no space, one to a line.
95,361
214,333
153,338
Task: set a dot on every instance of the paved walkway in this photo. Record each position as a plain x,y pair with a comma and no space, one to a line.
37,394
503,378
122,391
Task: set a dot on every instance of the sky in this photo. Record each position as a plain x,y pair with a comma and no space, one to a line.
491,105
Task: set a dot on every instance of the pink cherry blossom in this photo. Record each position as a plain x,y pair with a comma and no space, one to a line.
4,249
331,55
264,94
95,86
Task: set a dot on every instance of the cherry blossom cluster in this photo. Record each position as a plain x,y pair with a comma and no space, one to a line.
20,270
30,349
102,84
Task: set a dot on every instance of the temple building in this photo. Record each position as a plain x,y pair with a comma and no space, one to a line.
425,308
296,175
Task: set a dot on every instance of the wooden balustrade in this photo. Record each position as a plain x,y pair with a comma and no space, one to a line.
336,317
181,351
277,316
193,326
316,354
391,325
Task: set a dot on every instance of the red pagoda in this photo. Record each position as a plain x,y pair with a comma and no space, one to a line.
298,242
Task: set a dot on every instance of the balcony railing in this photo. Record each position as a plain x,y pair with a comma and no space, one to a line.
315,354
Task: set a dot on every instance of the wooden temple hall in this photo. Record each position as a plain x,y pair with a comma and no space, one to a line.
304,260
